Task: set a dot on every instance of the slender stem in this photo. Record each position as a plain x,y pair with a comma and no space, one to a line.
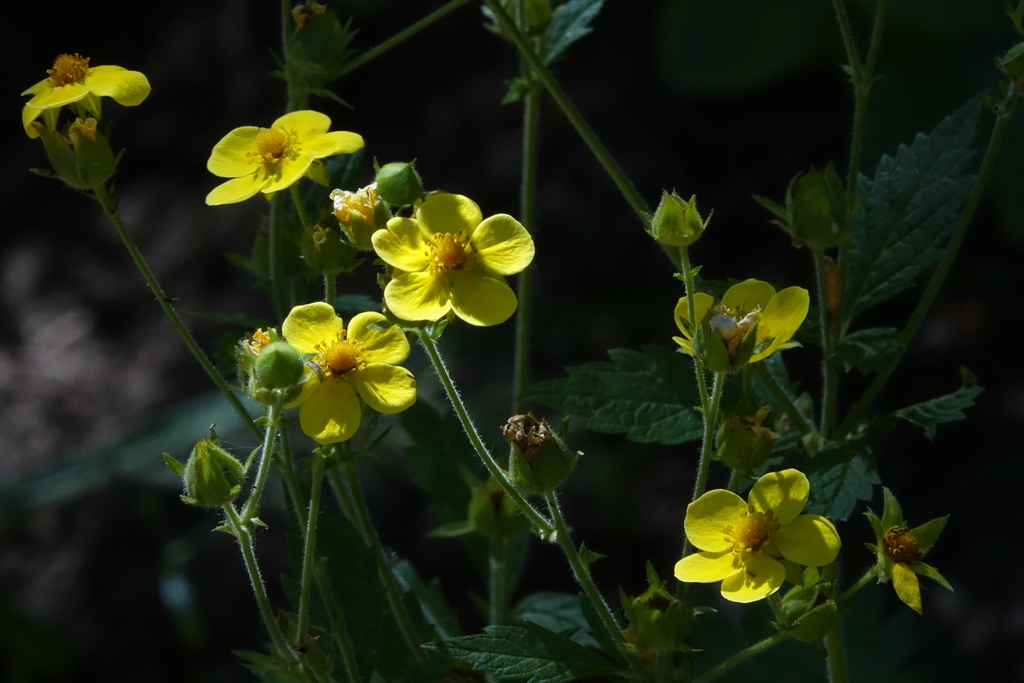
398,610
869,576
266,455
238,528
401,36
344,498
581,571
836,660
284,466
848,42
498,569
300,207
310,547
742,656
829,371
780,396
862,406
330,288
543,526
710,421
698,366
606,160
102,196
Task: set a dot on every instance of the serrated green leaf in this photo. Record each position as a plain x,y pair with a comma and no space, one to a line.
570,22
874,349
648,396
911,209
949,408
840,475
433,603
559,613
532,654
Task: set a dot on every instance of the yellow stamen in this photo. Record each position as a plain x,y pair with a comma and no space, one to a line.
754,531
340,357
303,14
450,251
901,546
68,69
82,129
272,145
360,202
256,342
320,236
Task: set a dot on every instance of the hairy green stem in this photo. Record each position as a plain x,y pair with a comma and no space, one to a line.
742,656
330,288
606,160
266,455
691,290
707,445
836,660
862,406
581,571
829,371
869,576
498,566
238,528
102,196
317,468
401,36
543,526
780,396
300,207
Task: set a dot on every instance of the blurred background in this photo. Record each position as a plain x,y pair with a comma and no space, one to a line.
104,573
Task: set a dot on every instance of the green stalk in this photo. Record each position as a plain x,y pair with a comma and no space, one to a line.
398,610
300,207
836,660
742,656
344,499
869,576
829,371
543,526
581,571
266,455
707,446
310,547
606,160
102,196
862,406
330,288
498,570
291,486
691,290
238,528
401,36
788,407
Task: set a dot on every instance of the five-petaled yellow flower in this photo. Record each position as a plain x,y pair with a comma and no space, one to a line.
360,362
448,258
271,159
739,540
777,315
72,79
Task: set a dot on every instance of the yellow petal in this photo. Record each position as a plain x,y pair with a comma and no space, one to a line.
707,517
449,213
386,345
309,386
38,87
747,296
784,493
503,245
907,586
127,88
305,124
385,388
229,158
419,296
482,300
702,303
28,115
235,190
51,98
329,144
782,318
684,344
761,577
708,567
402,245
810,540
331,413
287,172
311,324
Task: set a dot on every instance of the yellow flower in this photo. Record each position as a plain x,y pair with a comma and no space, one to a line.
739,540
777,315
360,362
72,79
271,159
448,258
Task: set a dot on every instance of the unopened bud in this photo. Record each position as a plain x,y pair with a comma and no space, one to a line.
279,366
539,460
213,477
657,620
677,223
84,160
398,183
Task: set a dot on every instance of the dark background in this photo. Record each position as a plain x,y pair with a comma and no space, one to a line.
105,574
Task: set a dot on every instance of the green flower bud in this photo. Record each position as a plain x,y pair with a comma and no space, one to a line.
320,43
539,460
279,366
253,373
398,183
657,620
494,514
744,441
84,159
677,223
213,477
813,222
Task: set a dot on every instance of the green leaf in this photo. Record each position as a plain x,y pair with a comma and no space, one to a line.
949,408
532,654
874,349
570,22
911,209
432,601
648,396
559,613
840,475
517,90
588,556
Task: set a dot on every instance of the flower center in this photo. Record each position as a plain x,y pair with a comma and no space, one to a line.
450,251
754,531
901,546
68,69
340,357
360,202
732,328
256,342
272,145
